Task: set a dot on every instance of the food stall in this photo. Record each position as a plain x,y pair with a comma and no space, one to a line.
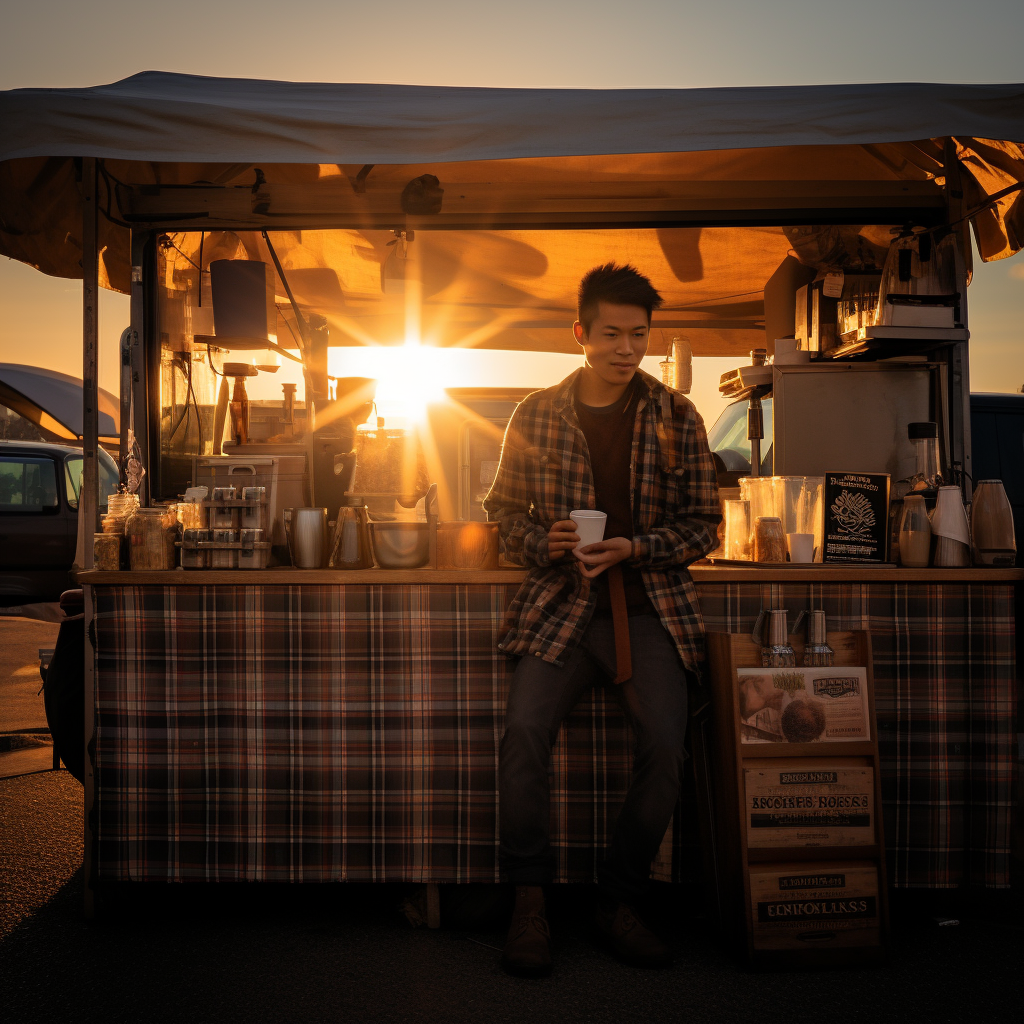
288,723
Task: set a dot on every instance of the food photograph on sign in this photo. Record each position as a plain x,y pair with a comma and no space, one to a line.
803,705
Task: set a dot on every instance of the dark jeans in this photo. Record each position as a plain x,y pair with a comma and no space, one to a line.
540,698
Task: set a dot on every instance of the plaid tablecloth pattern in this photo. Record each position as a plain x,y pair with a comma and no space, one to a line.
329,733
322,733
945,700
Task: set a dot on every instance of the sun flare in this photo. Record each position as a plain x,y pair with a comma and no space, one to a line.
409,377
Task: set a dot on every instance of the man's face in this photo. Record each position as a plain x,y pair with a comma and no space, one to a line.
616,342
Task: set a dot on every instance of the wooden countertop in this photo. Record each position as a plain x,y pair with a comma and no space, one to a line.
703,574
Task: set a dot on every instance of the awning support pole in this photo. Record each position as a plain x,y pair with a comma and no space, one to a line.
138,358
88,503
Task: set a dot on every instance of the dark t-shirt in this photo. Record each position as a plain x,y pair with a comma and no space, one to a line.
609,433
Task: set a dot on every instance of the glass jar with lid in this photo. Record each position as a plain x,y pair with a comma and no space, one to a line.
151,534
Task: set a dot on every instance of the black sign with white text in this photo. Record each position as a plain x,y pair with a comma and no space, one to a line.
856,517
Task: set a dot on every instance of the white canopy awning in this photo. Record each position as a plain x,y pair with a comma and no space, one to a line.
704,188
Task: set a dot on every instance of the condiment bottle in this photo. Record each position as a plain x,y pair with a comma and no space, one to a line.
915,533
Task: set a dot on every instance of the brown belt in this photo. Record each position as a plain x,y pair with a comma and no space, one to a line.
620,625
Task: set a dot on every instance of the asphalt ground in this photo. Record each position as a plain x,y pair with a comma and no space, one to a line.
25,744
252,953
21,703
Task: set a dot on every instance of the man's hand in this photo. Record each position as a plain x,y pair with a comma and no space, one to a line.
562,537
603,555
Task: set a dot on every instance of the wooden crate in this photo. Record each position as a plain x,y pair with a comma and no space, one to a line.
795,810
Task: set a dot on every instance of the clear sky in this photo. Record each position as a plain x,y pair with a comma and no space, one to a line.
540,43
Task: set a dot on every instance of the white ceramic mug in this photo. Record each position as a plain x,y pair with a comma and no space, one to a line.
589,525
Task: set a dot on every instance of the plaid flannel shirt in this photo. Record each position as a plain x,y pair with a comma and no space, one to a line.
545,473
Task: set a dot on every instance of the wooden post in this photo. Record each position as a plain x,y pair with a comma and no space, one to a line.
88,503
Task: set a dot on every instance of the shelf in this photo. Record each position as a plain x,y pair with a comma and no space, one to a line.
889,342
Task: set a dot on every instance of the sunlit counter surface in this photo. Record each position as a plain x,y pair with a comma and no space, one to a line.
290,725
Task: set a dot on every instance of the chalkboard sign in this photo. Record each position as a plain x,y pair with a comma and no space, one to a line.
856,517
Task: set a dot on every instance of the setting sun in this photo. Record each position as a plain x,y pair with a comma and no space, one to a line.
408,377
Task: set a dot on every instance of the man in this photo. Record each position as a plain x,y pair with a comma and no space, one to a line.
621,612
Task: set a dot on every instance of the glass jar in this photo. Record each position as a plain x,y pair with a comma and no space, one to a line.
151,534
106,552
769,540
915,533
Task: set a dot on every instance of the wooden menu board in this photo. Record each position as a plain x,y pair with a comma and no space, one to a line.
823,803
801,906
797,832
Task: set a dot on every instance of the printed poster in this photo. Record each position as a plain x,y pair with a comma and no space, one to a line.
803,705
856,517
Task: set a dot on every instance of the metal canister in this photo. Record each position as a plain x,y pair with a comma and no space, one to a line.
817,650
776,650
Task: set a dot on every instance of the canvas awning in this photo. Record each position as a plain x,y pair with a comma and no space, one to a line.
706,189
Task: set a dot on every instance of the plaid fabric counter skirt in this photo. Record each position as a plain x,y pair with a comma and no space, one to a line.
329,733
322,733
945,700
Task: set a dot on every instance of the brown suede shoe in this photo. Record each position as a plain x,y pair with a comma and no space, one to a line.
527,951
630,940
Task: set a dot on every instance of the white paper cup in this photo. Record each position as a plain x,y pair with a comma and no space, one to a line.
801,547
589,525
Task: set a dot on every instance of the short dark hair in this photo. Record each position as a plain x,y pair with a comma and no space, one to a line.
622,285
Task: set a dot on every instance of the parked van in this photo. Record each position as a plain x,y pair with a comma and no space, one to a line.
39,487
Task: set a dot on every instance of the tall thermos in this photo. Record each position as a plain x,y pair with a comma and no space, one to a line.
950,533
992,537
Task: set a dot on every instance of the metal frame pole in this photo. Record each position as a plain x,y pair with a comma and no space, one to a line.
88,505
137,357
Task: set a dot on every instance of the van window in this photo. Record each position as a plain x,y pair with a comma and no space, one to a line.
728,437
73,478
28,485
